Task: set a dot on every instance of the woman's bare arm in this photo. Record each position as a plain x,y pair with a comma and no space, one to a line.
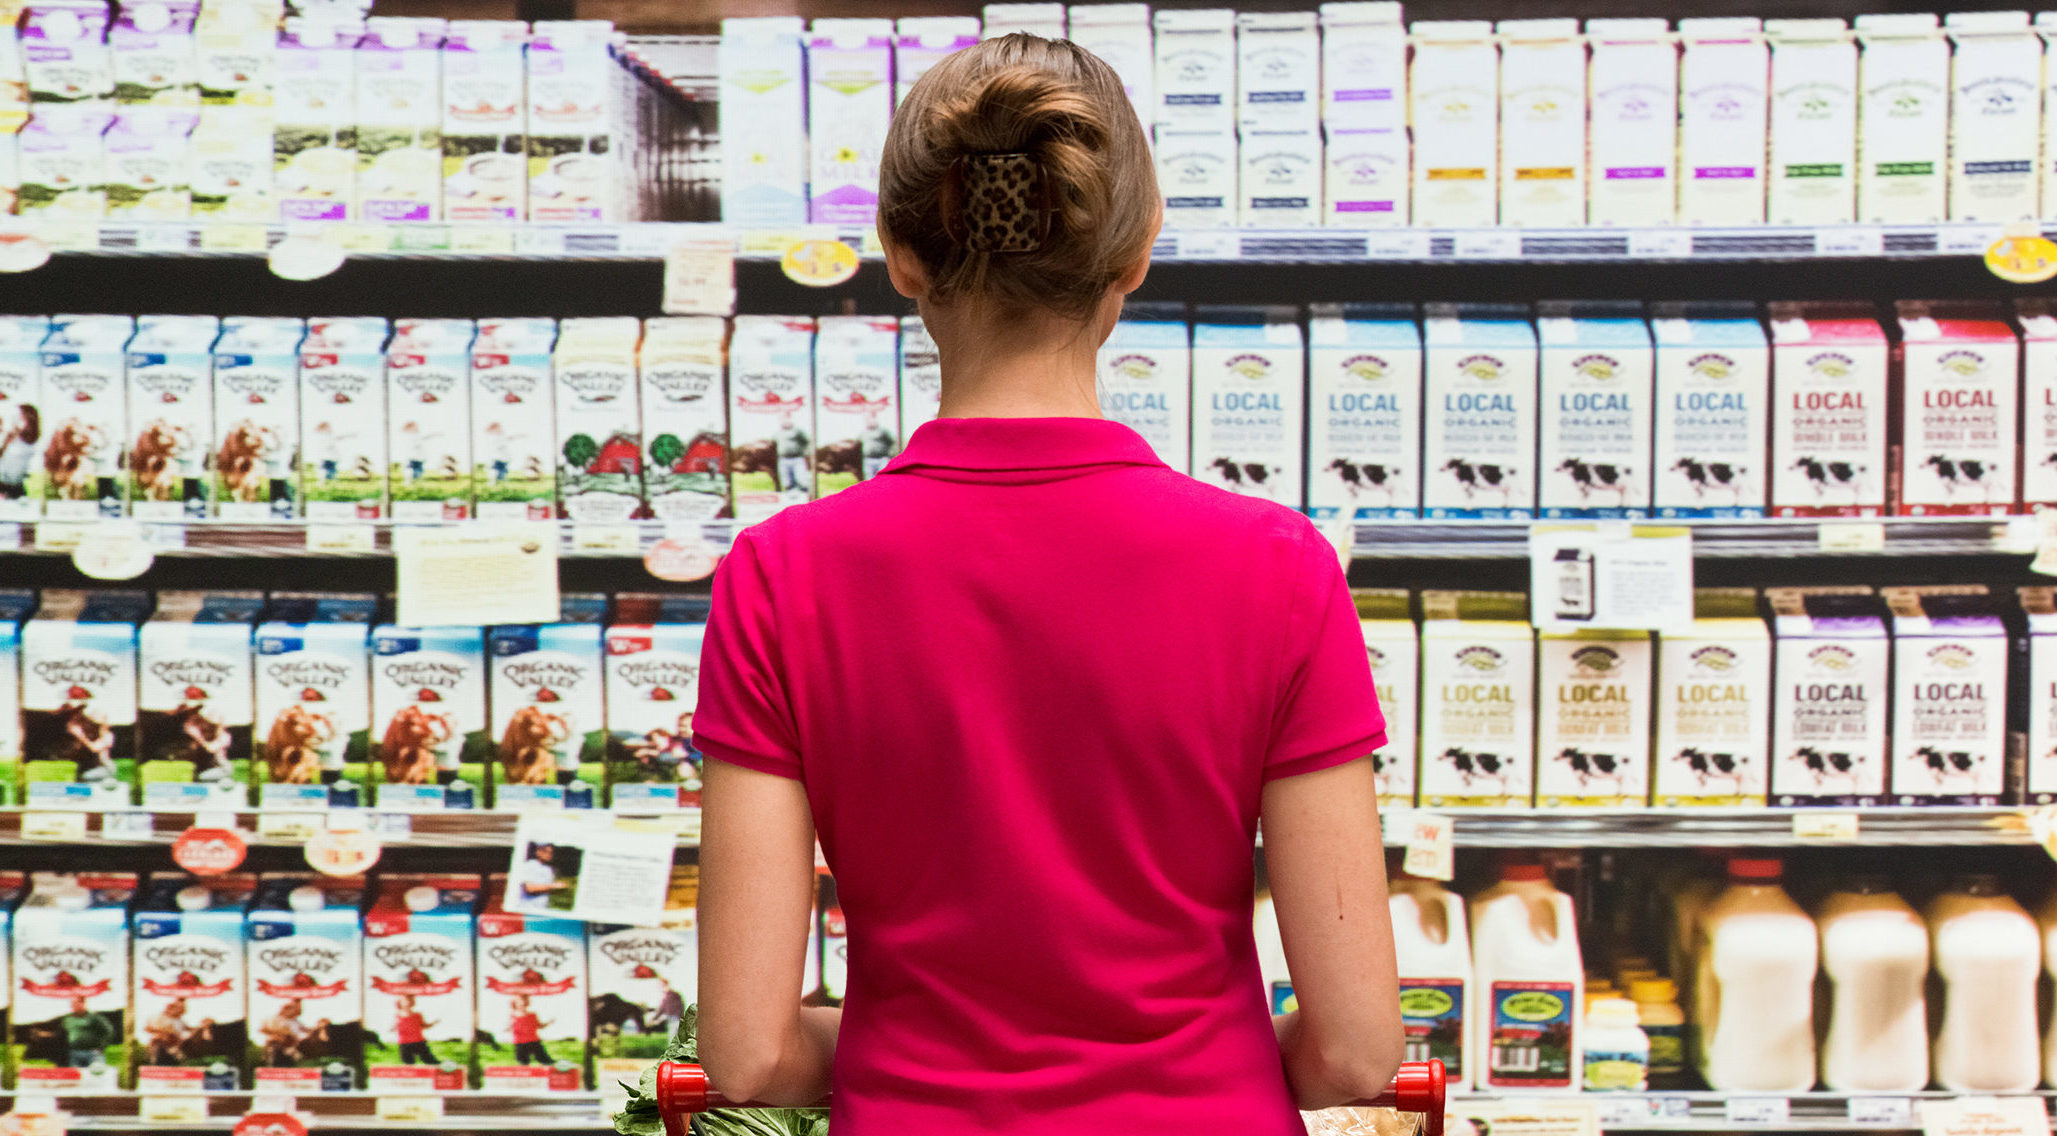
1326,860
756,897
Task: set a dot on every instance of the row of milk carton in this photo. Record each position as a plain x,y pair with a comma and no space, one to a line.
305,699
1600,409
298,983
1911,696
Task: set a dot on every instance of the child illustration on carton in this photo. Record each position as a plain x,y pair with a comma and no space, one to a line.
670,755
18,451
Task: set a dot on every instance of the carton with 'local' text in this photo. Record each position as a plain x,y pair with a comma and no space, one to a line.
1831,658
1249,384
1713,704
1478,671
1364,413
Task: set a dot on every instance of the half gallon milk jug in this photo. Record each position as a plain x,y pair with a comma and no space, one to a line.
1527,971
1874,952
1433,948
1753,985
1987,957
2046,918
1271,957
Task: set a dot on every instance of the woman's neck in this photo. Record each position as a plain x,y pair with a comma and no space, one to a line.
1036,368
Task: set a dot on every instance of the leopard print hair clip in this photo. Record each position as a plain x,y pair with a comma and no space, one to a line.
1004,209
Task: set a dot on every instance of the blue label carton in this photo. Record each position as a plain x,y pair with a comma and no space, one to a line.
22,410
428,717
85,432
78,702
171,415
257,418
1364,411
313,702
191,982
549,710
194,703
1478,441
420,982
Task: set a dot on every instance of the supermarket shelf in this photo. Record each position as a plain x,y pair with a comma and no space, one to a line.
465,828
1936,827
1711,1112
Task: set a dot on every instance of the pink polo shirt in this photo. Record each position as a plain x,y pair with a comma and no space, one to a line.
1034,682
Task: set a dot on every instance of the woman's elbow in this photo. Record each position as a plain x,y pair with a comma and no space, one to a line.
739,1068
1364,1067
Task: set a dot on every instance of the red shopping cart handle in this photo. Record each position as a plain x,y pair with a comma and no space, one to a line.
682,1090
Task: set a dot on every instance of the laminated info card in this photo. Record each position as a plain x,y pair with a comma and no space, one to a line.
1614,576
480,574
590,868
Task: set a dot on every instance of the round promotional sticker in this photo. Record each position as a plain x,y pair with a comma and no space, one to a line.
23,252
209,851
681,560
2023,260
270,1124
113,552
342,853
819,264
305,258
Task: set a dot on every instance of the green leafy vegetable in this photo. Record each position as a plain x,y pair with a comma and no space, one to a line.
640,1115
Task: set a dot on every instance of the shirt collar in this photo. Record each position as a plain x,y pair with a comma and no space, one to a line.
1022,444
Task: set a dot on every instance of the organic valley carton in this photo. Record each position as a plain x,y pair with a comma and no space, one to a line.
1595,369
313,700
256,462
921,377
1046,20
78,698
69,1031
147,164
314,147
771,414
1713,401
1903,118
1249,394
12,887
428,717
1392,642
856,375
1278,89
549,720
1453,87
1813,168
1542,123
62,166
16,605
1364,419
2034,702
599,429
171,415
428,419
1593,719
653,687
1724,88
1120,35
1828,439
643,978
1960,383
685,418
1713,705
1364,113
514,462
195,708
485,122
532,999
1145,372
921,42
1478,677
1831,658
306,983
399,113
419,983
191,983
763,95
2038,321
22,413
849,99
1996,116
1950,655
343,419
87,424
1478,449
65,55
576,124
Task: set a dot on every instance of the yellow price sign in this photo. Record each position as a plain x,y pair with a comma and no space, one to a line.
819,263
2023,259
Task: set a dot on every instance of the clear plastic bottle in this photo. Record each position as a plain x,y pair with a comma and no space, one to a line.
1664,1023
1988,956
1617,1051
1874,953
1527,970
1753,985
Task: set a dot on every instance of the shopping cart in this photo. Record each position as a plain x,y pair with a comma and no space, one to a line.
682,1090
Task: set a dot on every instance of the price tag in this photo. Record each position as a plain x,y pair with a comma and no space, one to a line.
1203,245
1851,536
342,852
537,240
394,826
1671,1108
23,252
1890,1112
420,238
681,559
1396,244
1824,826
67,826
485,239
183,1109
1431,847
60,536
288,828
1623,1112
128,826
1971,239
209,851
1985,1116
342,537
700,273
1660,244
409,1110
1757,1110
1488,244
234,238
82,235
609,540
1850,240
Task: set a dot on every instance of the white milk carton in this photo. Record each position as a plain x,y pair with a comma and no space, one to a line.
78,698
1713,404
65,55
399,112
12,887
653,689
237,72
10,170
1542,123
155,62
685,418
2034,704
549,727
22,411
428,419
576,123
1903,118
1713,705
1595,368
343,419
1454,90
1593,719
920,42
856,376
1145,372
1249,399
313,735
1828,440
771,414
599,428
256,461
171,415
1364,113
849,99
2046,27
1632,141
532,999
485,121
1046,20
147,161
1996,116
1478,450
84,368
314,148
194,701
1813,167
1393,644
191,987
306,966
1364,416
764,166
420,981
921,377
16,605
428,717
1197,171
1960,389
1724,91
63,171
2038,321
1828,711
513,415
644,977
1278,111
14,80
70,1027
1120,35
1197,153
1950,654
1478,678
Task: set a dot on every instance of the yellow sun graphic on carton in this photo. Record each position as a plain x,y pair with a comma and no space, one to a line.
1370,370
1711,367
1829,366
1482,369
1602,369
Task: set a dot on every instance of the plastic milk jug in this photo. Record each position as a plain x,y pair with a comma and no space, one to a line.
1753,985
1526,968
1431,942
1874,952
1987,960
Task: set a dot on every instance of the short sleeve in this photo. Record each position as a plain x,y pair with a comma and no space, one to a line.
1327,711
745,714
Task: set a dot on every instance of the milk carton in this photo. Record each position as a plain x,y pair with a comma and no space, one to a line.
549,724
1632,140
2038,321
485,121
343,419
514,463
653,686
1831,658
428,716
63,171
2034,704
1950,655
685,418
764,167
921,377
83,386
191,983
1828,441
1593,719
16,605
1478,677
69,1031
1249,397
148,168
644,977
1713,704
1724,89
1145,375
1197,172
1813,122
532,999
155,62
1542,122
1960,383
2046,28
1364,113
420,980
22,411
10,170
314,148
237,73
78,698
1996,109
575,123
856,365
14,81
195,708
849,98
1713,402
1046,20
1392,642
12,886
1196,68
1479,434
1453,87
399,115
256,460
1278,111
65,55
1595,369
306,983
1903,118
771,414
171,415
920,42
1120,35
313,700
1364,422
428,420
599,429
